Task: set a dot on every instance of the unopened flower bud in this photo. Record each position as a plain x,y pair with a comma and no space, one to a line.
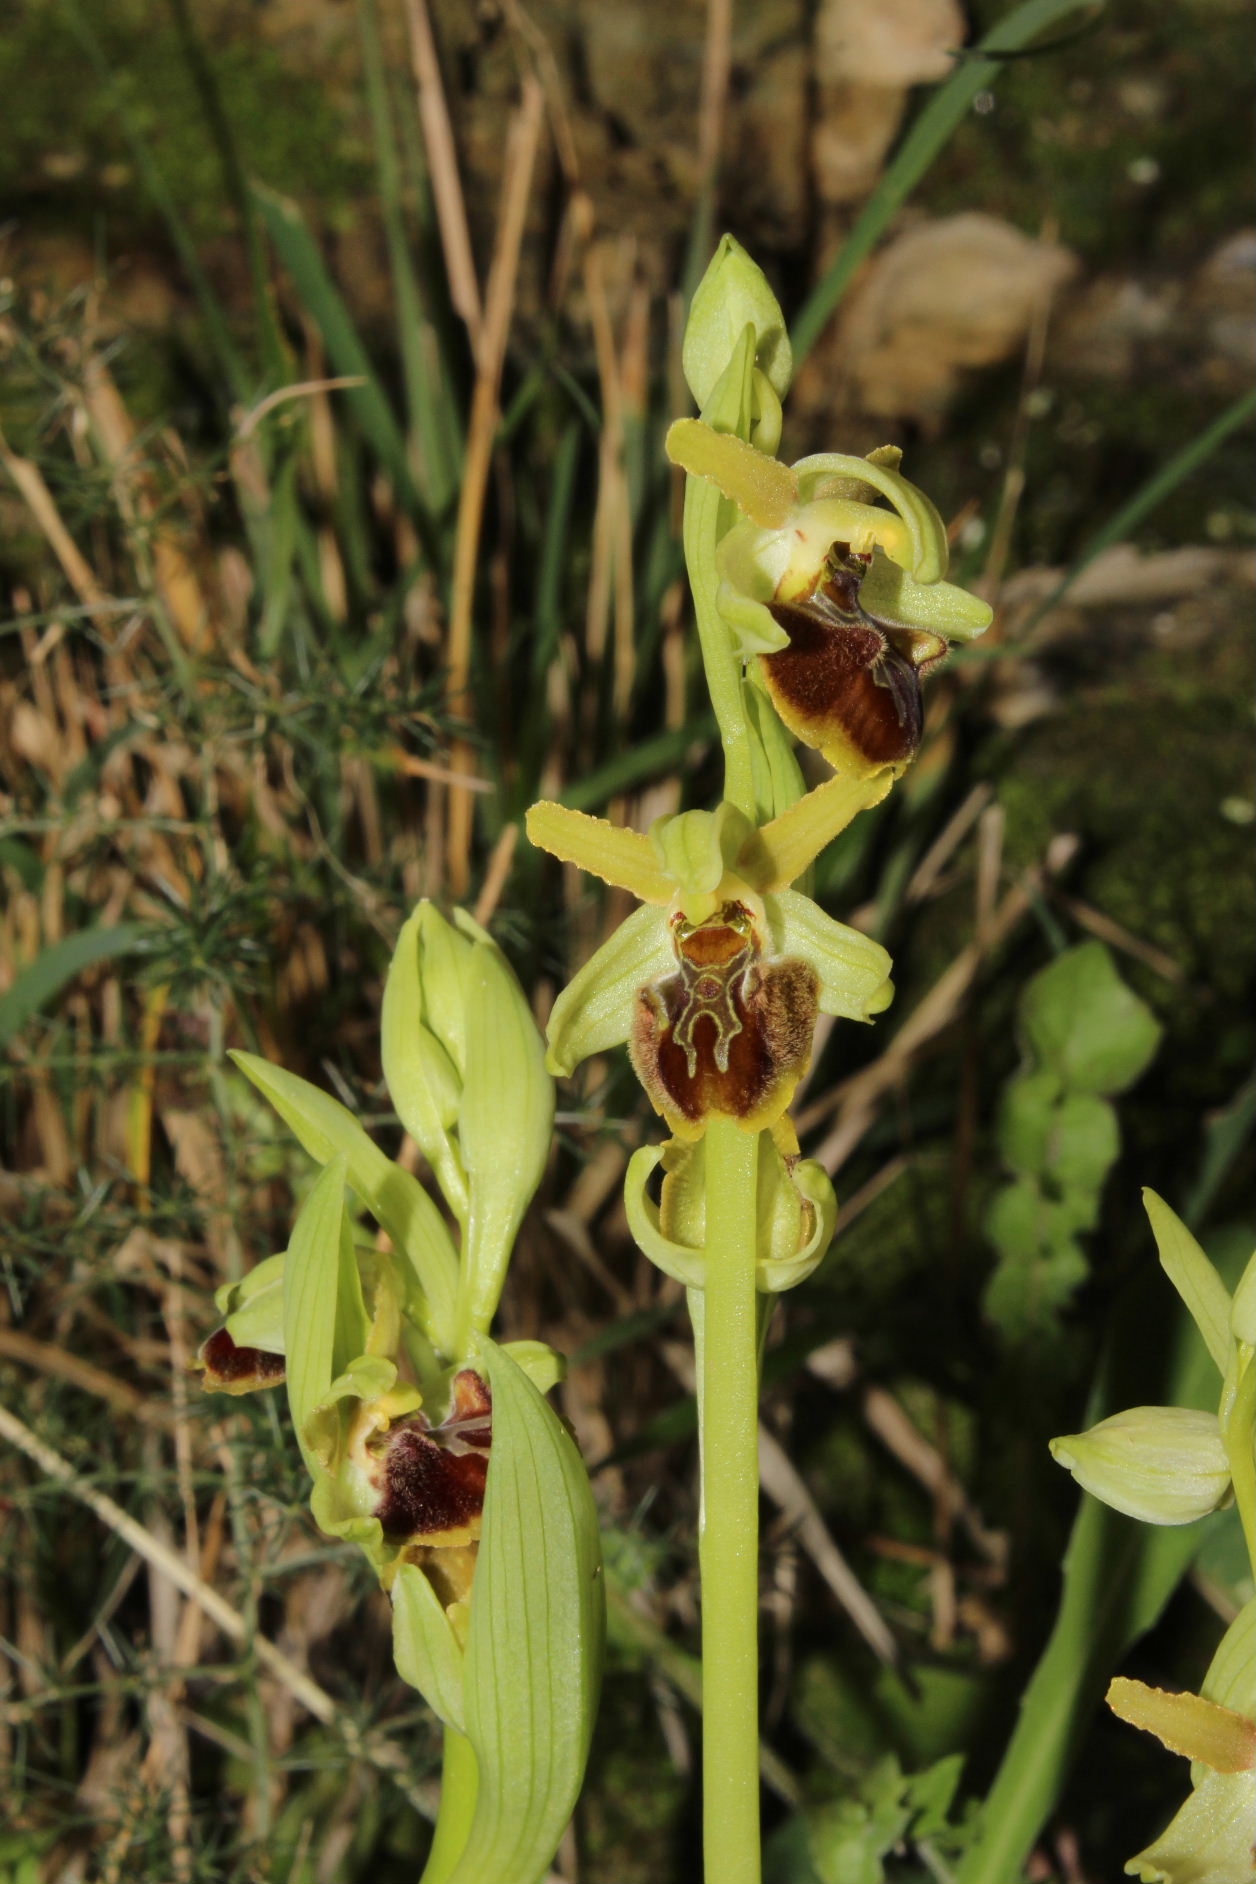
465,1065
1162,1464
732,295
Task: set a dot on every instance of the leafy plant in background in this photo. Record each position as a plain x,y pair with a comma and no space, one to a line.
1086,1037
430,1447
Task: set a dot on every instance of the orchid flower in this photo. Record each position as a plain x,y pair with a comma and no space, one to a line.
840,602
716,982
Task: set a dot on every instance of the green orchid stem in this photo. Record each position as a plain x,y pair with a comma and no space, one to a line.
729,1551
719,659
1238,1442
459,1783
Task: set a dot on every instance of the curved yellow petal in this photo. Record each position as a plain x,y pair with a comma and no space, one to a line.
622,857
762,488
782,849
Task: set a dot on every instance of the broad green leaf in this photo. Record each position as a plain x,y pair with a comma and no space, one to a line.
1085,1025
534,1648
1194,1278
505,1122
1042,1261
1026,1111
58,964
325,1128
427,1652
310,1283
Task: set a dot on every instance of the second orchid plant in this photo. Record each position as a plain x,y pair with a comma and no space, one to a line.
821,603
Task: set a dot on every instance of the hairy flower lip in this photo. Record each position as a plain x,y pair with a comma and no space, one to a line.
431,1479
728,1033
849,683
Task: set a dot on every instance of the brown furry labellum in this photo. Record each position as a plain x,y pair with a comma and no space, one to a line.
432,1479
227,1368
849,683
728,1033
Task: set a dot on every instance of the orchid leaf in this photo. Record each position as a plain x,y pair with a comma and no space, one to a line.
1194,1278
426,1650
422,1080
505,1122
325,1128
310,1286
534,1648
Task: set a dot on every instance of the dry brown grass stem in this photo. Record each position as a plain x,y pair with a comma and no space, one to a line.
442,160
303,389
170,1564
50,1358
521,150
39,501
717,57
496,875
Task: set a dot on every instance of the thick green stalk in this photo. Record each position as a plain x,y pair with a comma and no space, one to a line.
723,669
459,1783
729,1550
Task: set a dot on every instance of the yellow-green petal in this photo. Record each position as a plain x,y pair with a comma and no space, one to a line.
1216,1736
929,555
888,593
595,1010
762,488
617,855
697,848
854,970
779,852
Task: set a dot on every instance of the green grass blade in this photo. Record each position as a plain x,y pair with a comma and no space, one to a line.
236,374
933,129
427,387
59,964
322,300
1159,485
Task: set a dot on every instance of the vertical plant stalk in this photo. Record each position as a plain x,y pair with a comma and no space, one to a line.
729,1546
723,670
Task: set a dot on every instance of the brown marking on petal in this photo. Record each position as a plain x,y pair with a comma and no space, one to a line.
848,680
429,1494
227,1368
432,1478
738,1052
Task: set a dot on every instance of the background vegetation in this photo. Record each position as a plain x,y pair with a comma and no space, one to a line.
336,529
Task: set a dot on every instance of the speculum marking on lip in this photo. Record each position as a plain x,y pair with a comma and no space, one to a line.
730,1048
